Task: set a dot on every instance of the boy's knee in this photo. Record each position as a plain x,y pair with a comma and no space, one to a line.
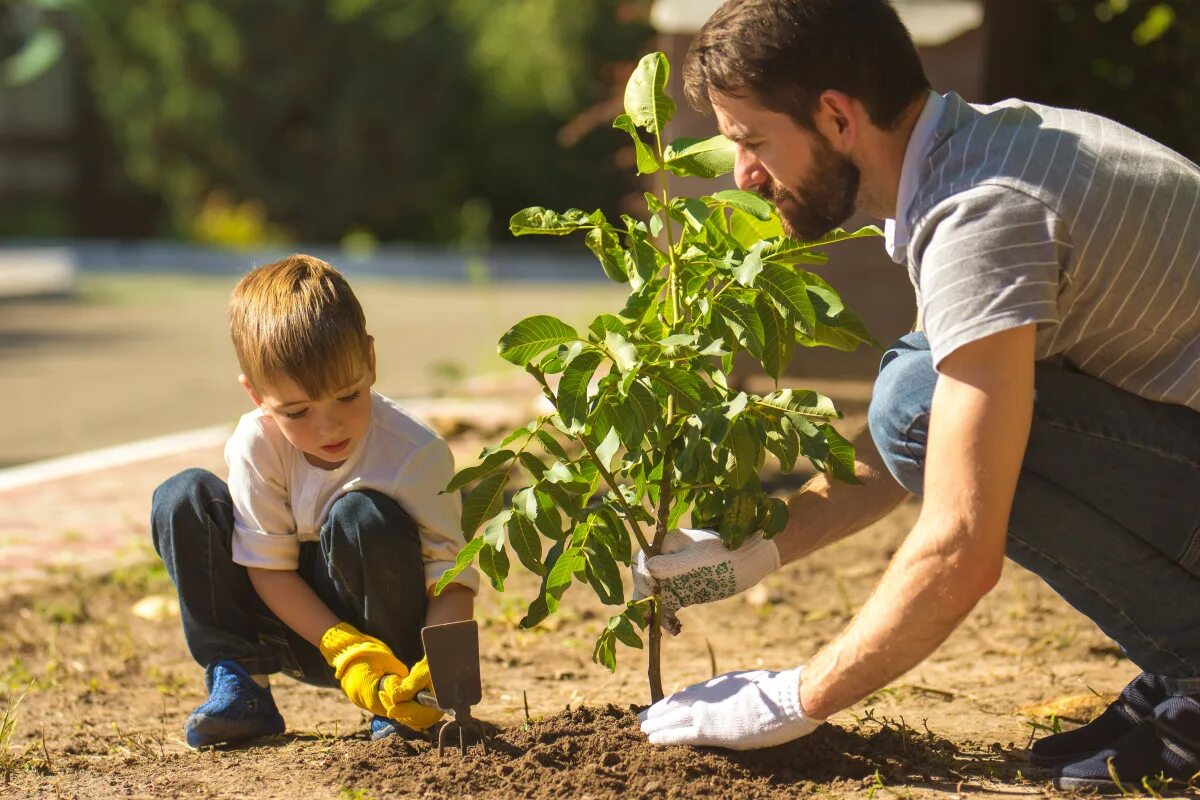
189,493
372,518
898,416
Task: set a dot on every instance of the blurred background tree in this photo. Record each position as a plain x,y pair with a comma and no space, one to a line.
315,119
1136,61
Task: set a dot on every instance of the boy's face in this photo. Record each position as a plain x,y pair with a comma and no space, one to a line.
326,429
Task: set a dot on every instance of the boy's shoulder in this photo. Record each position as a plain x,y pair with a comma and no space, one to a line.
391,421
254,436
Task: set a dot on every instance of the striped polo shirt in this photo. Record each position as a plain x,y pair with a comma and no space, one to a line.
1022,213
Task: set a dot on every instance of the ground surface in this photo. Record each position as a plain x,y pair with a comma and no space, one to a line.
111,691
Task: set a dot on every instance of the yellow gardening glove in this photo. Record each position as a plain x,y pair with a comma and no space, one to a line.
411,713
402,688
360,662
397,693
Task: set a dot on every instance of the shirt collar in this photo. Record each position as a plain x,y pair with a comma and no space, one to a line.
896,230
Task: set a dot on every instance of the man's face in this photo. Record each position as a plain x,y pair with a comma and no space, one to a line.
814,187
326,429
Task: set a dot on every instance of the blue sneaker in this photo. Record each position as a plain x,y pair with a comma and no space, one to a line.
237,708
382,727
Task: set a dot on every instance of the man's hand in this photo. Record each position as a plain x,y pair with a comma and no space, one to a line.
696,567
360,662
737,710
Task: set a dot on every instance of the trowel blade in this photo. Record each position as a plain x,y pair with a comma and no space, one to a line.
452,650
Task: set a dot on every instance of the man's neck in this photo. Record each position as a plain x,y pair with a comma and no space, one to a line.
881,175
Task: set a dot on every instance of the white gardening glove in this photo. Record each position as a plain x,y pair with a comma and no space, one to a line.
737,710
696,567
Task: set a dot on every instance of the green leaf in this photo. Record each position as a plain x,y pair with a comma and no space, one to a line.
533,336
490,464
841,455
624,354
782,440
635,415
539,609
494,564
608,528
603,575
646,103
747,202
801,401
790,294
483,503
684,386
789,251
748,231
608,448
551,445
849,333
653,202
689,212
606,323
541,508
744,449
643,260
743,322
605,651
526,543
700,158
607,249
777,339
647,162
573,389
841,235
494,533
538,220
624,630
465,556
777,517
751,267
826,302
562,574
533,464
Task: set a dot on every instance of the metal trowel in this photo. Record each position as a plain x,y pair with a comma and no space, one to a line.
452,651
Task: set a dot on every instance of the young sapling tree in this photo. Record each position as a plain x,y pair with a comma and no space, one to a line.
645,426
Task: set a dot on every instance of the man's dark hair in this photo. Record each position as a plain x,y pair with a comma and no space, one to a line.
783,53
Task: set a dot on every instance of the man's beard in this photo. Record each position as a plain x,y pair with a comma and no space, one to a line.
825,199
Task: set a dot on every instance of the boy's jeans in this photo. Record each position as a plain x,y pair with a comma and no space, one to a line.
366,567
1107,508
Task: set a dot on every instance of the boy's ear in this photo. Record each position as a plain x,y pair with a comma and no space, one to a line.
245,382
371,357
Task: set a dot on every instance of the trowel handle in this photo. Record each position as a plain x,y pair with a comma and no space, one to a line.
426,698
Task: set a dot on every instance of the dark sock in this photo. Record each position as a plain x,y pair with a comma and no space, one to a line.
1136,703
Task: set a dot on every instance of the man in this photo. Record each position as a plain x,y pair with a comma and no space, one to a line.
1048,409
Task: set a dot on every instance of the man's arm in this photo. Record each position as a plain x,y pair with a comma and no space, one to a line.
979,426
455,603
825,510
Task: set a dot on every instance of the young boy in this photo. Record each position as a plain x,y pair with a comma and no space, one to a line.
319,557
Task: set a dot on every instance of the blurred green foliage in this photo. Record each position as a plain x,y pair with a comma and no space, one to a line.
1137,61
339,117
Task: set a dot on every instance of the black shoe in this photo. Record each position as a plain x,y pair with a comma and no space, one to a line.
1136,703
1165,747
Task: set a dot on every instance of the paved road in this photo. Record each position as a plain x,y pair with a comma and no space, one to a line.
131,357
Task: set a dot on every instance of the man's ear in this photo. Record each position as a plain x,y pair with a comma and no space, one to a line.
245,382
839,119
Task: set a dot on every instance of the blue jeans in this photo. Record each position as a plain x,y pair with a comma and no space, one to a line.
1107,507
367,568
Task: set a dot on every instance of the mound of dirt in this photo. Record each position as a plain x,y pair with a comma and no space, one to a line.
600,754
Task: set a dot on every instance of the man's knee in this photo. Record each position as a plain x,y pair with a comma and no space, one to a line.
898,416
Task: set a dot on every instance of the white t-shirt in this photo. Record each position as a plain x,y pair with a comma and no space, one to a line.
280,500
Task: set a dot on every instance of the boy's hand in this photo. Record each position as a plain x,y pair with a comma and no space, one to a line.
360,663
410,713
401,688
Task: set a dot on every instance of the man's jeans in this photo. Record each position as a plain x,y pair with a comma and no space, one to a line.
1107,508
366,567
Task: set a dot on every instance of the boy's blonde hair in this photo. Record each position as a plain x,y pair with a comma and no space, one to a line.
298,318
